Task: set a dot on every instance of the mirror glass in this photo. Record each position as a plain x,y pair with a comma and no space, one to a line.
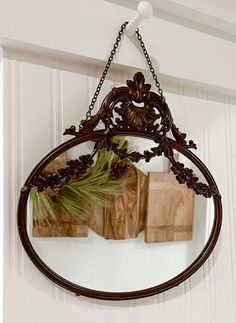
150,231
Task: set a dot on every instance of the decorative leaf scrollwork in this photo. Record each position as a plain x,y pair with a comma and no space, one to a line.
131,108
180,138
75,169
163,148
139,118
121,111
184,175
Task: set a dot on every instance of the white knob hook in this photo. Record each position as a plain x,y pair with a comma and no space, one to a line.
145,11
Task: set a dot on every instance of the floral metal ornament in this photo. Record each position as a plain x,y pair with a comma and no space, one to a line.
121,112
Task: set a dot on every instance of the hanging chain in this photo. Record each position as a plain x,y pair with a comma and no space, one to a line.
110,59
108,64
151,68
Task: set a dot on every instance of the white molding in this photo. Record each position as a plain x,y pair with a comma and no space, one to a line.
198,11
204,7
83,66
65,28
196,14
63,32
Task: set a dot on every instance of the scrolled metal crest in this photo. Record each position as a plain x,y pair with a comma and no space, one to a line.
136,110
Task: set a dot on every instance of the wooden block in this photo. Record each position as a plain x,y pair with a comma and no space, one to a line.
96,220
125,217
65,226
61,229
169,209
121,219
78,230
52,230
142,198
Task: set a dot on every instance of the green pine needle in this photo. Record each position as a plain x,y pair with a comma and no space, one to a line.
43,207
77,198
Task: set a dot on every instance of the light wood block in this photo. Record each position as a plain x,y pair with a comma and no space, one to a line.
169,209
125,217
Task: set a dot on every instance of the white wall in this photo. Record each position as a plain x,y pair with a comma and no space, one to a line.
85,29
38,89
35,98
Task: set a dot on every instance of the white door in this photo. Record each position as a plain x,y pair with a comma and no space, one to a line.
52,58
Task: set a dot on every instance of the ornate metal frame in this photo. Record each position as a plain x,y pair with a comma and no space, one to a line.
132,110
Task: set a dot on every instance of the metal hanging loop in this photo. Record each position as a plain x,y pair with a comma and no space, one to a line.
108,64
149,62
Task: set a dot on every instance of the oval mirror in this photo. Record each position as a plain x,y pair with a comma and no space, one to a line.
121,211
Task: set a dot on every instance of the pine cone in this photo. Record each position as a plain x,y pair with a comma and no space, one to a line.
119,170
78,167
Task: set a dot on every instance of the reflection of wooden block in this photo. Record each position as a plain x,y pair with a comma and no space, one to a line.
169,209
78,229
65,226
125,217
61,229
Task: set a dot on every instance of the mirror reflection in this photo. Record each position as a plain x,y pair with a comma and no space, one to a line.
122,226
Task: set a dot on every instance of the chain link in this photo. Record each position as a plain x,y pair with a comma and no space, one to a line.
107,66
149,62
119,37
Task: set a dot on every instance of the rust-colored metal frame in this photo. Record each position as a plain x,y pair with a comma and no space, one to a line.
151,121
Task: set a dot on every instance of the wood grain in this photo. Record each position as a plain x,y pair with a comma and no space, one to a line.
65,226
75,228
169,209
125,216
